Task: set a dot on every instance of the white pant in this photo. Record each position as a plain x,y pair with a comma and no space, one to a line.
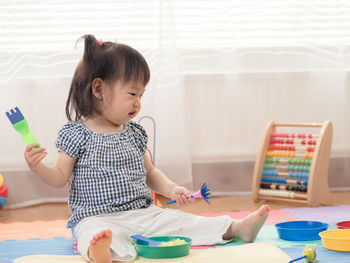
151,221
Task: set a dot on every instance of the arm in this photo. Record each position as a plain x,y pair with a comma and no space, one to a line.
159,182
57,175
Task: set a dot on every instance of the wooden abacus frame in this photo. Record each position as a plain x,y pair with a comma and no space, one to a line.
317,189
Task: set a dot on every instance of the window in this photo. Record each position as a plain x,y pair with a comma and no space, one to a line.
56,25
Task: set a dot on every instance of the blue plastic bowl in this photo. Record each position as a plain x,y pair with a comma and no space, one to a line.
300,230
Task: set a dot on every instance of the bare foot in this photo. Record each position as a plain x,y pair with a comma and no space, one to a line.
99,250
248,228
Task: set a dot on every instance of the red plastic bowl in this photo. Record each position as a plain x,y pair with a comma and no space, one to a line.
343,224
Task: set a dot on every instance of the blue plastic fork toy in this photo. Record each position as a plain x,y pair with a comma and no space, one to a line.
20,124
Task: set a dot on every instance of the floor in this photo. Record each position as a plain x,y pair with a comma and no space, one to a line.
47,212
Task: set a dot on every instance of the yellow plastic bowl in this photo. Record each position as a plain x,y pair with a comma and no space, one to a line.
337,239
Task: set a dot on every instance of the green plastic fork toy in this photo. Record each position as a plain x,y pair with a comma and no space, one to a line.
21,125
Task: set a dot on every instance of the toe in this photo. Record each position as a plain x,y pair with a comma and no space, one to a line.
264,210
108,233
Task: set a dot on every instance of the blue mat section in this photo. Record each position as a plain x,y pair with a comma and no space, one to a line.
324,255
12,249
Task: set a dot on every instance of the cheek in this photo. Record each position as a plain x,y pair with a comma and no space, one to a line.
122,103
108,103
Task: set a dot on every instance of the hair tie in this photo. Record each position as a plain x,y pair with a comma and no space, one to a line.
100,42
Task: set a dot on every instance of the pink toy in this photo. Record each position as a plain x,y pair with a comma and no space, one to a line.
3,193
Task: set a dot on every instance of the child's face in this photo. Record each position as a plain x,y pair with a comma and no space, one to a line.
123,102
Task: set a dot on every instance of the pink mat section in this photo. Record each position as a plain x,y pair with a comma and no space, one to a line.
201,247
57,228
275,216
36,229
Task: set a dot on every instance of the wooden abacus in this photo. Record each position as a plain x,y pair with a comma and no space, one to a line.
298,174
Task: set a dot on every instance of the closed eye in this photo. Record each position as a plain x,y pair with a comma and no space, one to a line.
132,94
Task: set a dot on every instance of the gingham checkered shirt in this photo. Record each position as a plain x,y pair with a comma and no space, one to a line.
109,174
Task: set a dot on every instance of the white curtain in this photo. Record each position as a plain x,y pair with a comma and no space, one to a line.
38,58
220,70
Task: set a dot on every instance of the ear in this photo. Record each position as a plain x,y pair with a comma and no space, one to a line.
98,87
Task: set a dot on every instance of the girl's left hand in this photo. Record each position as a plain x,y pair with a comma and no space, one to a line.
182,195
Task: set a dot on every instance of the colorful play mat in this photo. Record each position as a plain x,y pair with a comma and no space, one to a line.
19,242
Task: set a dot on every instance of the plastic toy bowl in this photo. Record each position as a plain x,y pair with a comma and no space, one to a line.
343,224
166,251
300,230
336,239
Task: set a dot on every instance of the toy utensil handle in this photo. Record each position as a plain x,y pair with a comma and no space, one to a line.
174,201
150,242
141,238
29,138
297,259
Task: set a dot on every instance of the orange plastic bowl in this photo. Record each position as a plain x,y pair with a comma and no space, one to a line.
343,224
336,239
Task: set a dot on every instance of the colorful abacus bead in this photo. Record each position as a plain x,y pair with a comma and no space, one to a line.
299,182
290,141
302,168
302,162
301,135
311,142
290,167
270,173
268,160
310,149
269,166
308,155
274,140
301,175
274,180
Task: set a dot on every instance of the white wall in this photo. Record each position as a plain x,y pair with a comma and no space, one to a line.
227,113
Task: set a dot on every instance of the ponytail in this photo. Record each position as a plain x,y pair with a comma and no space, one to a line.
91,48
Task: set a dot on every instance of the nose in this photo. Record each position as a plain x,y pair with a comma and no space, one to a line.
137,102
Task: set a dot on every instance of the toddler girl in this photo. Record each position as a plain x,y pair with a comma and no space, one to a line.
102,152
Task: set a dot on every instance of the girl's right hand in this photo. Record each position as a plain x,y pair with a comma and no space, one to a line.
34,156
182,195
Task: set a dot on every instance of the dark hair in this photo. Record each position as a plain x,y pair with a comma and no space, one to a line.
109,61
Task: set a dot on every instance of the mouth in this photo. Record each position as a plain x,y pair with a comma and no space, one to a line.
132,113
